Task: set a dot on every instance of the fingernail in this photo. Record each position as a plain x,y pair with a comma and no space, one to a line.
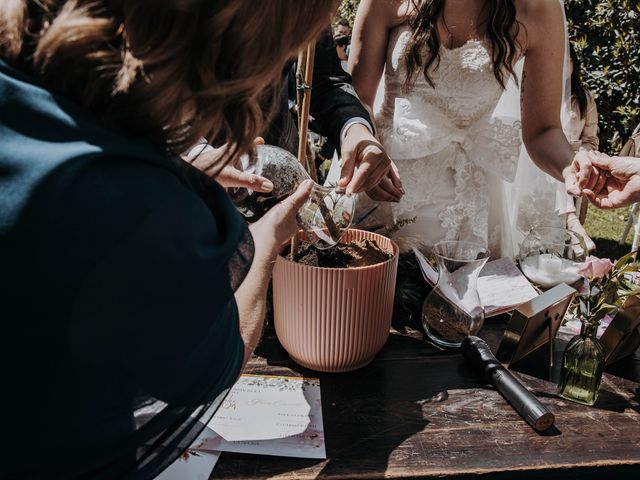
267,185
402,190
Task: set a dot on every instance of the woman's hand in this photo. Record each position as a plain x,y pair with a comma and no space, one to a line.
279,224
207,162
621,185
232,177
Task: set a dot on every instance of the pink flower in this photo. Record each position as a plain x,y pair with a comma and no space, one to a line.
595,267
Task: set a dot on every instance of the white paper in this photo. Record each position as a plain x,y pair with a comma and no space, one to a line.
501,285
266,415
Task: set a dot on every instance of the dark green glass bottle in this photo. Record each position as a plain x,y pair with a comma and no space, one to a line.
582,365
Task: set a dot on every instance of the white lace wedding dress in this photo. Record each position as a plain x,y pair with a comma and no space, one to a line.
456,153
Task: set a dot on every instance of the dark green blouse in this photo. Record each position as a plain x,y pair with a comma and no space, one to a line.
117,271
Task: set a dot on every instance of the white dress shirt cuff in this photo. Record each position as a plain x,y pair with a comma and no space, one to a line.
350,123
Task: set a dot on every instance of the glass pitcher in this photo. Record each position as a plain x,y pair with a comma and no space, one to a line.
452,310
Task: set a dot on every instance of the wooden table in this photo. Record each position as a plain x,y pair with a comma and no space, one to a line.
416,412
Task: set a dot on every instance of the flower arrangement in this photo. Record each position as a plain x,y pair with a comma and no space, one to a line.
606,287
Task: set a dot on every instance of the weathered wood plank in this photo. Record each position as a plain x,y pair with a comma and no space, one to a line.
417,412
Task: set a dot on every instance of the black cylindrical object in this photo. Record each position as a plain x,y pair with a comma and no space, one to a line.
478,353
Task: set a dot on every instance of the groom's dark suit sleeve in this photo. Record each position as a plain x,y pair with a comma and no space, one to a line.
333,101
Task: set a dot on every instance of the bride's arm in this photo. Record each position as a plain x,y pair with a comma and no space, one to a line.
369,46
542,86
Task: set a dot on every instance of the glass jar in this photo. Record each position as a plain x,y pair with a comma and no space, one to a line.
325,216
550,256
452,310
275,164
582,366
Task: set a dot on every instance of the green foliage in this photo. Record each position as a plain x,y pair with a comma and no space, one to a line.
606,34
347,10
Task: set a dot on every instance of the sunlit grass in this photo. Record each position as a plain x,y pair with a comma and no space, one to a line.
605,227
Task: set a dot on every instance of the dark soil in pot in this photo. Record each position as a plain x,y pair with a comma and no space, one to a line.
359,253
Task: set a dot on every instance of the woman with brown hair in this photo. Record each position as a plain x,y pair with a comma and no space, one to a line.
450,123
132,291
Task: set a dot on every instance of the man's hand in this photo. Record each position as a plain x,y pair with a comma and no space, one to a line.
365,163
389,189
621,181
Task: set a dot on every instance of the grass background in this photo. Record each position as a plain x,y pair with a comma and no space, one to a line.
605,227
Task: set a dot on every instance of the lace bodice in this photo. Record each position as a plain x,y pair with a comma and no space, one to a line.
447,140
465,89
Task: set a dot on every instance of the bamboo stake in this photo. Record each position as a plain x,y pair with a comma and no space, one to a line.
301,83
303,112
305,61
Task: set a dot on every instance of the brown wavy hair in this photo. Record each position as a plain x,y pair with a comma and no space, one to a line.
169,70
498,18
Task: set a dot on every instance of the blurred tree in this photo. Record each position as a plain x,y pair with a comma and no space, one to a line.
606,34
607,39
347,10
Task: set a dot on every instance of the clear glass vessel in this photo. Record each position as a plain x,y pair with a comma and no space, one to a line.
325,216
276,164
453,310
582,366
551,255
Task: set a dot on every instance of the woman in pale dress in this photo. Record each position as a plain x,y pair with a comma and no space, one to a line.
443,119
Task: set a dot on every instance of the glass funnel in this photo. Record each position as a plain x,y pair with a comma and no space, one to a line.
452,310
325,216
551,255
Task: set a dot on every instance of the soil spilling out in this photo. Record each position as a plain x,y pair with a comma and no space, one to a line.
360,253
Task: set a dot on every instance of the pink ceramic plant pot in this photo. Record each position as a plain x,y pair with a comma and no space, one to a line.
335,319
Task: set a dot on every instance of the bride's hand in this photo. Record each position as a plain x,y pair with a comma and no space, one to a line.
583,175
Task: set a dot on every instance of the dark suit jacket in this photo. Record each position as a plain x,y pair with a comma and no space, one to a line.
333,101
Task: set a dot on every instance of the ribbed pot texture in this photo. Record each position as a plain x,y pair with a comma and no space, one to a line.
335,319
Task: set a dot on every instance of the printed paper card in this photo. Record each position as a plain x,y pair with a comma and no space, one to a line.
502,287
267,415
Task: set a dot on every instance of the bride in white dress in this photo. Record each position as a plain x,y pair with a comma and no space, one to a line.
453,133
